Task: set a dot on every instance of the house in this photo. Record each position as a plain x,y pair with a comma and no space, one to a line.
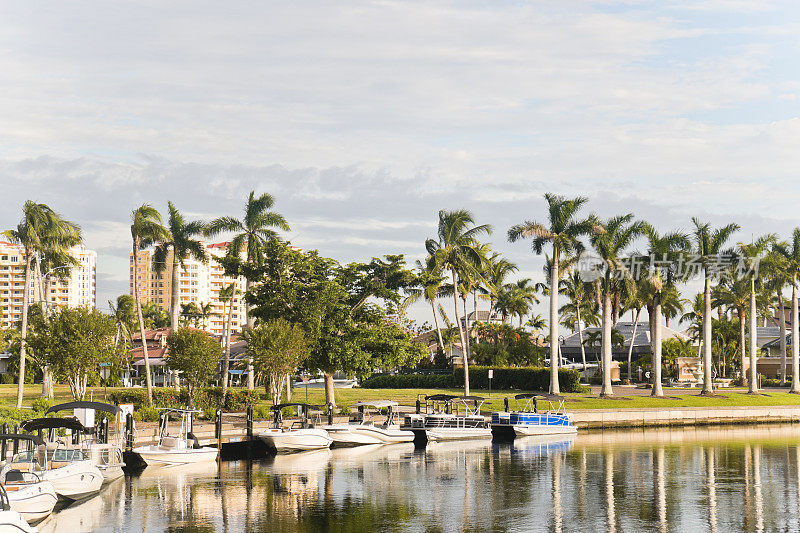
571,344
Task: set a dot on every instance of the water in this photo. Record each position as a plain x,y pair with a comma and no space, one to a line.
707,479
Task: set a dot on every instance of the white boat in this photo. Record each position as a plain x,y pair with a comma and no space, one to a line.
319,383
28,494
176,447
10,520
529,419
300,436
362,429
61,460
448,417
104,447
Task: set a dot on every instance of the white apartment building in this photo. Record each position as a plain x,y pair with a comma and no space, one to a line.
199,283
77,289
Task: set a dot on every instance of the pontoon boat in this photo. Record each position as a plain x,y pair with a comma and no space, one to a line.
448,417
530,419
362,428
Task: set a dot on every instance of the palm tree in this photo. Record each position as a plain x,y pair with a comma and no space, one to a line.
146,230
456,251
562,232
580,307
708,245
617,233
183,244
226,296
495,275
634,298
791,252
734,293
253,232
204,312
751,254
668,249
40,228
774,265
430,287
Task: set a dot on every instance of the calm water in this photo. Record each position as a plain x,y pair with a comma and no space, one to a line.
708,479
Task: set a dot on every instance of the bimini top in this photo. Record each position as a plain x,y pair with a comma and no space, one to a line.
16,436
52,423
378,404
529,395
178,410
97,406
306,406
451,397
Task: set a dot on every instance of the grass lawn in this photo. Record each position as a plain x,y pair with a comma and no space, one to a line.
674,398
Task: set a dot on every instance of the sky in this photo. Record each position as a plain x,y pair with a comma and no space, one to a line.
364,119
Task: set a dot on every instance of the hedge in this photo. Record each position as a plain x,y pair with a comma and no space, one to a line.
519,378
505,378
408,381
206,399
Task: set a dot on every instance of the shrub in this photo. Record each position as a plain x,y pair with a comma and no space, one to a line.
206,399
41,405
146,414
770,382
262,411
6,379
519,378
13,416
408,381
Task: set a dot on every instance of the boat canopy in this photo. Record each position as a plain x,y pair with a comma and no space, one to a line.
16,436
52,423
97,406
378,404
441,397
178,410
549,397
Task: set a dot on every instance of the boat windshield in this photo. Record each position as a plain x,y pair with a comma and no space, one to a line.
23,457
62,455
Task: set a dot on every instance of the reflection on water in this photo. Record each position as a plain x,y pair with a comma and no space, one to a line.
708,479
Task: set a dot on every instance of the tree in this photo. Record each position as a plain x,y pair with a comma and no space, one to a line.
562,231
791,252
668,250
253,232
146,230
609,241
430,287
40,228
190,313
778,277
735,294
124,313
581,308
709,244
195,354
73,342
455,249
226,296
495,276
277,348
634,299
183,244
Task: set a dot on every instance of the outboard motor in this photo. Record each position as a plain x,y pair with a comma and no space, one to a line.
195,440
505,404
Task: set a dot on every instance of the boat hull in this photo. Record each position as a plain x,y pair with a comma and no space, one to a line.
296,440
447,434
34,501
359,435
526,431
75,481
13,521
156,455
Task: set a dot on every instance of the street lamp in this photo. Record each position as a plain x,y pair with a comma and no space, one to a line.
560,355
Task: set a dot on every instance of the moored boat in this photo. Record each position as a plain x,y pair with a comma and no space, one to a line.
28,494
176,447
11,520
300,436
529,419
448,417
362,428
103,447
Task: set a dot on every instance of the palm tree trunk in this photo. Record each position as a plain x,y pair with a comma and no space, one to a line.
23,337
175,301
708,387
630,348
461,334
436,321
782,324
742,349
657,389
753,385
605,346
330,396
554,385
467,329
795,344
251,322
580,334
226,364
475,310
148,378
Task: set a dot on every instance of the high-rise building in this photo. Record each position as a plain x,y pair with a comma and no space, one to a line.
74,288
200,283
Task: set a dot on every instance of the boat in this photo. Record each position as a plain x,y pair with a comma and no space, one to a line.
529,419
447,417
301,435
104,446
11,520
319,383
362,428
176,447
28,494
61,460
